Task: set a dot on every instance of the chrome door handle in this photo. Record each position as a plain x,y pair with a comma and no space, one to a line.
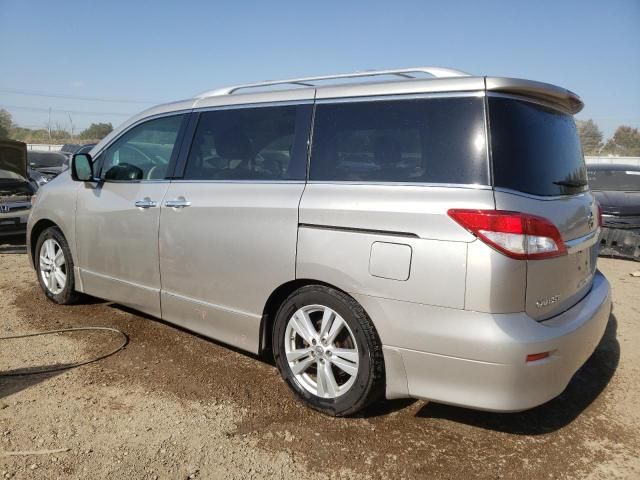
178,203
146,203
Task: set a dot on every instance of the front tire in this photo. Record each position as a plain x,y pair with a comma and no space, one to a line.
328,351
54,266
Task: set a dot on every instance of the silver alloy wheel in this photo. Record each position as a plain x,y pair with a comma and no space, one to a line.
321,350
53,267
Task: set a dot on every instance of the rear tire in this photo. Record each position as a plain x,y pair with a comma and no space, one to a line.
327,351
54,266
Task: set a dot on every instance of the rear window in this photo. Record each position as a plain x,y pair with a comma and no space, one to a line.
621,180
438,140
535,149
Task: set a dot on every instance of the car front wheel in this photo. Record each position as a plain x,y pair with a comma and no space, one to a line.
55,267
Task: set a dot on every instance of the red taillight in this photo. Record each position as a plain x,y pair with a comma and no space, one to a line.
517,235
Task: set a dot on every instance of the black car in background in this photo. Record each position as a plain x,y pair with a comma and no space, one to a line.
70,149
617,189
17,185
49,164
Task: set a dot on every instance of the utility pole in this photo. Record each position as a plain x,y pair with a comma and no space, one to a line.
49,128
71,122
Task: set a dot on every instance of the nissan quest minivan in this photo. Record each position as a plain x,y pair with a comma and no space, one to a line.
429,236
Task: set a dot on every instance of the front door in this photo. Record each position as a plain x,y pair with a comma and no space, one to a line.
228,227
117,220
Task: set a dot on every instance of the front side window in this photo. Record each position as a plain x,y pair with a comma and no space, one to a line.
143,153
436,140
248,144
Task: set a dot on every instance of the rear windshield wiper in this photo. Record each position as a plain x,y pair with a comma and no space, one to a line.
569,183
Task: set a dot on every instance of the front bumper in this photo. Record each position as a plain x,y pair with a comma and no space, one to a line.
13,224
478,360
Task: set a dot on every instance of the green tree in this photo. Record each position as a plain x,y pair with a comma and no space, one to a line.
6,122
96,131
590,137
625,142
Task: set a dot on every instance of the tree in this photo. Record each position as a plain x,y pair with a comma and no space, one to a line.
625,142
6,122
96,131
590,137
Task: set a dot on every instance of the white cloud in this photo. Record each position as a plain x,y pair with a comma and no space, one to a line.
77,83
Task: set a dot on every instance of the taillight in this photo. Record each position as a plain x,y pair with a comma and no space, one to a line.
517,235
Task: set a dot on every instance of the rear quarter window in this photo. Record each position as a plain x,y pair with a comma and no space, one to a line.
535,149
436,140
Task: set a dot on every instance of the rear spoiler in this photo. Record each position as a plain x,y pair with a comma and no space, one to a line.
557,97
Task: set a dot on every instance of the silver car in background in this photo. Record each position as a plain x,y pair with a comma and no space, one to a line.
422,237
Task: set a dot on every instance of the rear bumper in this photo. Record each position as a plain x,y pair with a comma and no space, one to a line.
478,360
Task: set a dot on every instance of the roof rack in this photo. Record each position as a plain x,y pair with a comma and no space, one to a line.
437,72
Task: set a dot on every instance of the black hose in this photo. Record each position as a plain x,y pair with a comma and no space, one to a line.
71,365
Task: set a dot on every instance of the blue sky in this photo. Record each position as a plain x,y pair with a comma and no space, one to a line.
162,51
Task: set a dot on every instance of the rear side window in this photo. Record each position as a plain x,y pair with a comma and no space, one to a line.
535,149
437,140
265,143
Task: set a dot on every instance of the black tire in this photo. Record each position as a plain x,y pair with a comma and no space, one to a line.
369,381
68,294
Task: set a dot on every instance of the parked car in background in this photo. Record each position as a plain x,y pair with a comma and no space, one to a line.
49,164
617,189
376,237
16,187
69,149
86,148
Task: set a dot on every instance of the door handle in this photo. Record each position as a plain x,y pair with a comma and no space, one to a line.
178,203
146,203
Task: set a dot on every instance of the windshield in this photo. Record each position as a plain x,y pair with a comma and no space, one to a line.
45,159
11,164
535,149
622,180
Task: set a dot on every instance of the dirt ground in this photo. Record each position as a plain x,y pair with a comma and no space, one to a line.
173,405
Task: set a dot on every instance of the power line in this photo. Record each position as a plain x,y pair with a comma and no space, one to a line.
77,97
75,112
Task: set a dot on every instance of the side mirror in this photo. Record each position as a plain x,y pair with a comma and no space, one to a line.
82,168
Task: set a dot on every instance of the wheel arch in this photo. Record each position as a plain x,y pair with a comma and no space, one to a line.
37,229
277,297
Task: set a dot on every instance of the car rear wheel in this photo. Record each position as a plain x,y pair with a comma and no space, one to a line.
328,351
55,267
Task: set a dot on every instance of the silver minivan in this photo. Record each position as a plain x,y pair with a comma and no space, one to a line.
409,233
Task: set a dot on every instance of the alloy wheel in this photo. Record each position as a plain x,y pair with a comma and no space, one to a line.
321,351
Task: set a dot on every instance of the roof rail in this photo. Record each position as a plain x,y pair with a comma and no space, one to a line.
438,72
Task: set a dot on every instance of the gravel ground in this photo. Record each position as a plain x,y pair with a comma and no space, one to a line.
174,405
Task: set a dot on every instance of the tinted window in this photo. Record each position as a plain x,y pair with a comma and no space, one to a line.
439,140
144,152
249,144
535,149
623,180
